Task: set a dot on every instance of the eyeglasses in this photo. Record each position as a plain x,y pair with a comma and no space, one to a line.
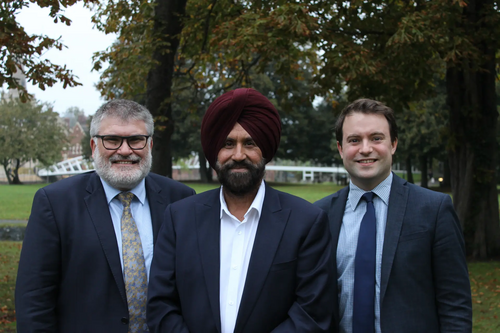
114,142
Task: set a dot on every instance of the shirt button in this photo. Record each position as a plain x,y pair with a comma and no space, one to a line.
239,232
234,266
124,321
231,303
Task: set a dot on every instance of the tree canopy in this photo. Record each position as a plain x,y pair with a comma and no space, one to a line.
22,51
386,50
28,131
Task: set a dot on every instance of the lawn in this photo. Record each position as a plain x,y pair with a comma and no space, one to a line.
16,205
484,276
9,258
17,199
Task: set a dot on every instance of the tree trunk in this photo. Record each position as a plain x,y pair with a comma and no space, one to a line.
446,174
15,173
205,172
409,173
167,27
424,180
6,169
473,124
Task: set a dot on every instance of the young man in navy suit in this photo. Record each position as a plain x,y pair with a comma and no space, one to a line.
89,241
398,248
245,257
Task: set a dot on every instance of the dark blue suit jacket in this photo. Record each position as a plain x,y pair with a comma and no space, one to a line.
287,286
424,284
70,277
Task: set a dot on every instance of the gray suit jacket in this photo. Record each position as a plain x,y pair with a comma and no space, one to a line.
424,284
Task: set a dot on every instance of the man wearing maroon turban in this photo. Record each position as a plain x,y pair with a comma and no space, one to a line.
245,257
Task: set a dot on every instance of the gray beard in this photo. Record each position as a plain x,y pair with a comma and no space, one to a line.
126,179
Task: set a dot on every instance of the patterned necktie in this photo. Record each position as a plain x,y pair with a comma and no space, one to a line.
134,268
363,319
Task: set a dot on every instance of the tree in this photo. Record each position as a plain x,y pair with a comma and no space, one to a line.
28,131
21,51
220,42
392,50
423,132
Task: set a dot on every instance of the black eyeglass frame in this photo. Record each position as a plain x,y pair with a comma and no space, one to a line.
122,138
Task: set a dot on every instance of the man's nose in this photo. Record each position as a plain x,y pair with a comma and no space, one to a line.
366,147
125,148
239,153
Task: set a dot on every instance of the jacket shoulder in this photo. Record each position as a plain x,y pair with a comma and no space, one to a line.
166,182
327,201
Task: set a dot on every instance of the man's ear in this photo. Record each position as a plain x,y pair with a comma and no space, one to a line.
92,146
339,147
394,146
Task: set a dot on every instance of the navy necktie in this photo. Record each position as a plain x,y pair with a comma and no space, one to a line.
363,319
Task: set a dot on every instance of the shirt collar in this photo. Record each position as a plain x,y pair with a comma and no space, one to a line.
382,190
256,205
139,191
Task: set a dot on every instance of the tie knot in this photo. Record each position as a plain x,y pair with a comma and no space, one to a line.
126,198
368,196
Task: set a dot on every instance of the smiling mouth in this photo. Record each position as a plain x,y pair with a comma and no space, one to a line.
241,169
366,161
125,162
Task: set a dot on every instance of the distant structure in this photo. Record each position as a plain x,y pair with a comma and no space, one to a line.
21,79
75,122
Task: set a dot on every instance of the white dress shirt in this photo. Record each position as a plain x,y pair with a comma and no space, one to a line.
142,217
236,244
355,209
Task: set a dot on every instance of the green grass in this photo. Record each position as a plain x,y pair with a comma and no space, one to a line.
309,192
485,286
9,258
484,276
16,201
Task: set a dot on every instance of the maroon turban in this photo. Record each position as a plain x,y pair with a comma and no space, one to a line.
252,110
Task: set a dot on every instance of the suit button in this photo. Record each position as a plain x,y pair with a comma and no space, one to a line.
124,321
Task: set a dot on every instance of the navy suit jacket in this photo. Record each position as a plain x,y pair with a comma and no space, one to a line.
424,283
70,277
287,286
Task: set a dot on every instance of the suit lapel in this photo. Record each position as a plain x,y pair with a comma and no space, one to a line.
269,232
157,205
397,206
99,212
207,217
336,215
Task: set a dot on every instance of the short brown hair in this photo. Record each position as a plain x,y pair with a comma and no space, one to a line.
367,106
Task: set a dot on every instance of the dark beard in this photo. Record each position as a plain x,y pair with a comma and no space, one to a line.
241,183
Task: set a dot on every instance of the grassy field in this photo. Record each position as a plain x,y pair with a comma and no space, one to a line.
484,276
16,205
9,258
17,199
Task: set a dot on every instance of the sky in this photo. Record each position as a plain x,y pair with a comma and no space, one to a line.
82,40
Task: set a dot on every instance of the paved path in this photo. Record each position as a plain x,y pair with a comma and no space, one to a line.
13,221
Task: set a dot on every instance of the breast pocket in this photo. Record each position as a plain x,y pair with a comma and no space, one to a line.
405,237
284,265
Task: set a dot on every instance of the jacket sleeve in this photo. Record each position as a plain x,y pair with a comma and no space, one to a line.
312,310
451,278
163,307
39,270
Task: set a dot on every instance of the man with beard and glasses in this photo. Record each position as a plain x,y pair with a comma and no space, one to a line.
88,245
245,257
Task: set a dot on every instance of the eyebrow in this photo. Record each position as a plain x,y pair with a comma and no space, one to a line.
371,134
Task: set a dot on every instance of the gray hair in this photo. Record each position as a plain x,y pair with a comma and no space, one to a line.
124,109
